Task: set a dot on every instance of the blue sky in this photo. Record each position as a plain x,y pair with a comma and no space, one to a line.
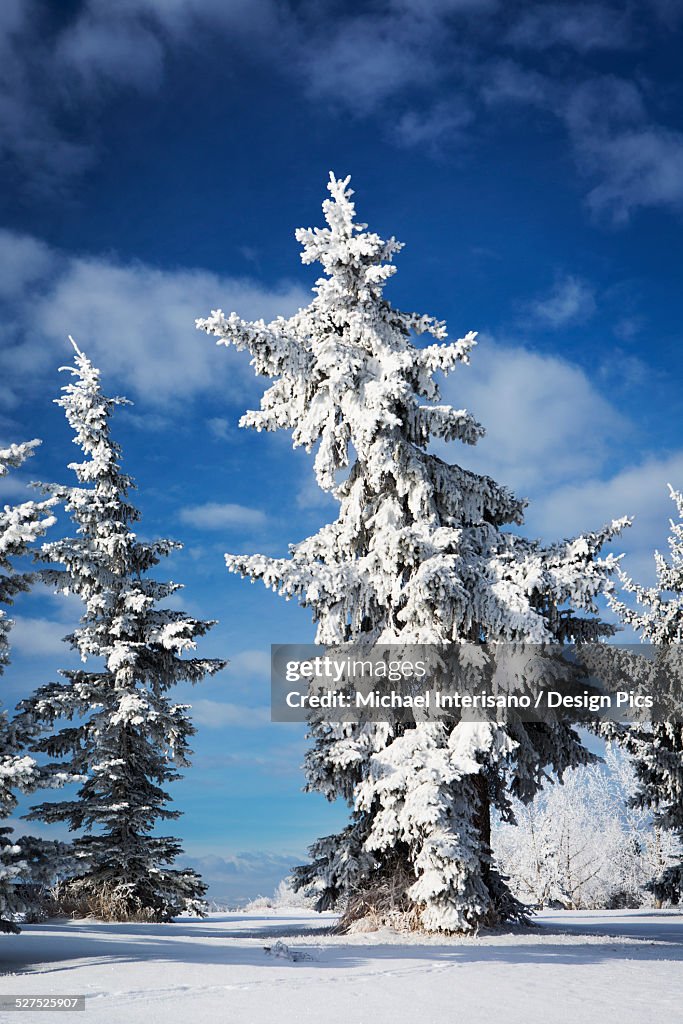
156,157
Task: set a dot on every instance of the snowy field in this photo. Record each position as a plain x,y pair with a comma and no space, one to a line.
597,967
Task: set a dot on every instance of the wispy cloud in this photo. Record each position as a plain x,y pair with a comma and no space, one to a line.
439,126
214,714
238,877
580,27
506,81
136,322
638,167
361,61
564,427
26,262
38,637
251,663
15,484
311,496
631,161
213,515
571,300
426,71
219,428
31,135
268,758
562,451
52,65
638,490
670,12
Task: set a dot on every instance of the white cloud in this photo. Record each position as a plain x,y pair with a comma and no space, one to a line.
246,862
16,485
251,663
570,301
29,91
545,420
669,11
506,81
126,43
25,261
634,162
238,877
627,327
361,61
136,322
443,8
577,26
629,160
215,515
552,436
270,758
27,265
38,637
419,66
311,495
59,831
215,714
149,422
639,167
100,48
219,427
639,491
442,124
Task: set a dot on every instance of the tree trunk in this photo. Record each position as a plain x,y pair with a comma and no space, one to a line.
482,822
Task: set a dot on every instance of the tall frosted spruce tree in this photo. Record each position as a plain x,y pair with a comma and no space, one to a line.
657,748
126,738
417,555
20,526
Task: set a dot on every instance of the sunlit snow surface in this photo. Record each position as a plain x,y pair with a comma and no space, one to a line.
577,966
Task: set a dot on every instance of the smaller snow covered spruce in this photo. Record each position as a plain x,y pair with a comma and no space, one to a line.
125,736
20,527
417,555
657,749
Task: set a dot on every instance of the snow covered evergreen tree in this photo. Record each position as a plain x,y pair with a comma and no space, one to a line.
20,526
585,844
417,555
658,748
125,736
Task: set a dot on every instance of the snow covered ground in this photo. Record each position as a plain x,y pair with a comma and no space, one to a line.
611,966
